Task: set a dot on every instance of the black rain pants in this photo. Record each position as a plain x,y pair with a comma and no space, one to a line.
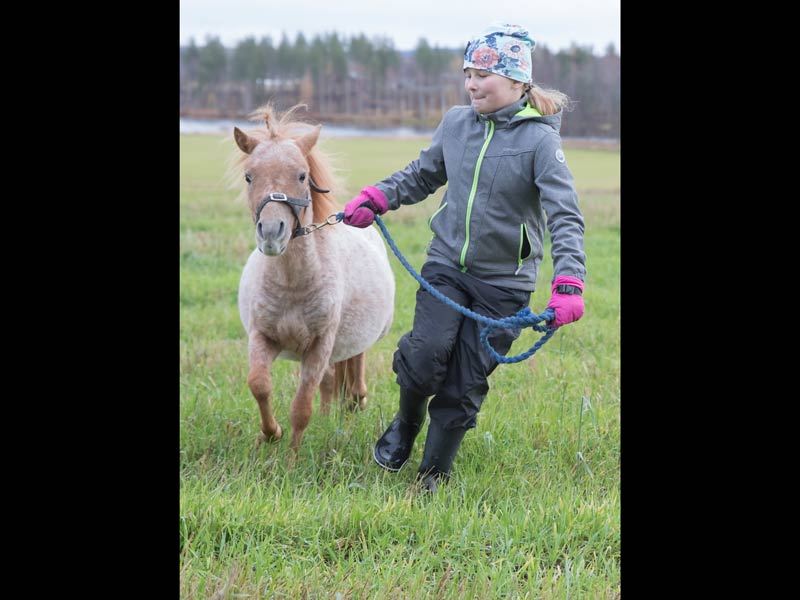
442,356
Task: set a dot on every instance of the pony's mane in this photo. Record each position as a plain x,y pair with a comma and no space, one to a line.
275,128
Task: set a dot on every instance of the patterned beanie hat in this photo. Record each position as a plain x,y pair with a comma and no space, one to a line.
503,49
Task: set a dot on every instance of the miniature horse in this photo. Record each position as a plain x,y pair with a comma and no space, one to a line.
323,295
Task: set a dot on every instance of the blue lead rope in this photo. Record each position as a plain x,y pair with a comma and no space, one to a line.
524,318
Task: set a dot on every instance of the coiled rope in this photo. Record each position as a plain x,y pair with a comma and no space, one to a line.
522,319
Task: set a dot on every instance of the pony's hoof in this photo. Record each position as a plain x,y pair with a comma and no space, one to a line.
356,404
266,438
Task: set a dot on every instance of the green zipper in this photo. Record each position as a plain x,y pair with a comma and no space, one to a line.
523,233
472,193
440,209
519,251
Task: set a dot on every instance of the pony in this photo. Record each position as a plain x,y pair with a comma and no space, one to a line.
318,295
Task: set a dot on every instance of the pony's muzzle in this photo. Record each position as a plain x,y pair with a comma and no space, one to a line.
271,231
271,236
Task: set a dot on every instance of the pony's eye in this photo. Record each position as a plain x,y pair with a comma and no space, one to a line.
302,177
248,178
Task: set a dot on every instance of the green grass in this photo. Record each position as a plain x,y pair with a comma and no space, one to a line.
533,508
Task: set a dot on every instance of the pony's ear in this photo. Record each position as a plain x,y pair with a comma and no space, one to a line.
244,141
307,141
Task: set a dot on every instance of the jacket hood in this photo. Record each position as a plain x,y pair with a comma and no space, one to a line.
520,111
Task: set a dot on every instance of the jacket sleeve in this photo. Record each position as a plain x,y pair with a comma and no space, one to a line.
420,178
560,203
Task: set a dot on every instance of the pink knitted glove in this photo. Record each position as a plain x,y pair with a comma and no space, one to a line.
361,210
568,307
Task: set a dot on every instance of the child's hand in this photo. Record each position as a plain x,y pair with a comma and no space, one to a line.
361,210
568,307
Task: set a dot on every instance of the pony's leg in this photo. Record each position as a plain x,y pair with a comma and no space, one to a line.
312,369
326,390
351,379
262,354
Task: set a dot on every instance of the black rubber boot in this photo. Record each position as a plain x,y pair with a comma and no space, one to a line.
441,447
394,447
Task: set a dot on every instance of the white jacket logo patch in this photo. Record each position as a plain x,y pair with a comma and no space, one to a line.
560,156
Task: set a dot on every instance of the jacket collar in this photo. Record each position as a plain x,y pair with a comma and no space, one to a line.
503,116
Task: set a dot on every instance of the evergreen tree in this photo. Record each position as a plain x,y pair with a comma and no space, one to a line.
270,57
212,60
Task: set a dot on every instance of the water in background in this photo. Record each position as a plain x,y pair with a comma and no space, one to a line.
227,125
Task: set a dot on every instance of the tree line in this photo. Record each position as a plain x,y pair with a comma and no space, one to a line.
367,82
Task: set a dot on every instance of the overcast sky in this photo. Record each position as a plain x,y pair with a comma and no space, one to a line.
444,23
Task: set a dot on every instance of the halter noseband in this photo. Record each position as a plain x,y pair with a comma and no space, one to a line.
294,203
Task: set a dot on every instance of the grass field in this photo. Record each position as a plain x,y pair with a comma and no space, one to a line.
533,508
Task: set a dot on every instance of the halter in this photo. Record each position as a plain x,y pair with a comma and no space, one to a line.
294,203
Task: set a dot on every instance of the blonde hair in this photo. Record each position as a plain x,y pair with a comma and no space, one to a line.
547,101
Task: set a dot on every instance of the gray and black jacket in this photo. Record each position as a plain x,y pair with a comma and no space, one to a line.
505,171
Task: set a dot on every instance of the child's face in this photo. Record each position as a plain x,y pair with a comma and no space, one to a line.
490,92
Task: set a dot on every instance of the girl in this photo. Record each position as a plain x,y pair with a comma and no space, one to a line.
506,173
